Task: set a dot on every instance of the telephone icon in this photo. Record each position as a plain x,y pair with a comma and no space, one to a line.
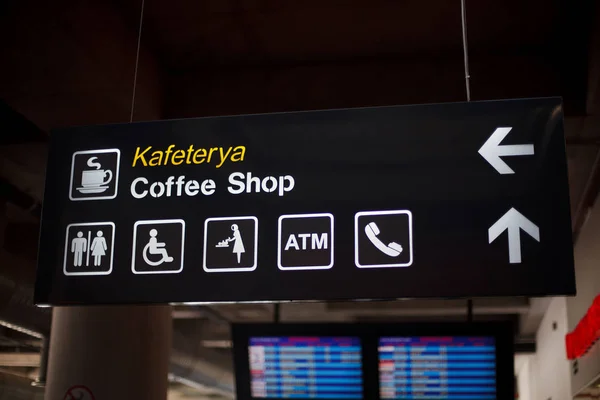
392,249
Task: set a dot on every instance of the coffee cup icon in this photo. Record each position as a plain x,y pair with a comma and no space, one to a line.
95,180
95,177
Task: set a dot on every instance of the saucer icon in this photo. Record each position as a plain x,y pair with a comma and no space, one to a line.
92,190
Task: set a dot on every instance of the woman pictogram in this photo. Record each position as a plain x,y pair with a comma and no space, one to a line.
98,248
238,244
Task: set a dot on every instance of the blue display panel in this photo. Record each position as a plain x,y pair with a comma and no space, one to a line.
435,368
306,367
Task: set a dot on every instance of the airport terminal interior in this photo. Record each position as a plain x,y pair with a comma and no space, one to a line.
89,63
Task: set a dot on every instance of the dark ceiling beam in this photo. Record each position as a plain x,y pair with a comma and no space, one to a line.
571,49
22,239
199,62
583,141
592,187
593,98
16,129
16,196
590,193
359,83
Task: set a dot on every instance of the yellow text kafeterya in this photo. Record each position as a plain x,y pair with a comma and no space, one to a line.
148,157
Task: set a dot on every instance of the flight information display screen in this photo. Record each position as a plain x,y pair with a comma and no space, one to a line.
433,368
306,367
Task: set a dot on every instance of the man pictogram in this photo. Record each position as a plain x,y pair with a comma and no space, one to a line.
78,247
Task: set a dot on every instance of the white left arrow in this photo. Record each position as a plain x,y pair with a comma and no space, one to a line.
513,221
492,151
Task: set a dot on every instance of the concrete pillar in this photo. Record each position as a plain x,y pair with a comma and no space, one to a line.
3,222
119,353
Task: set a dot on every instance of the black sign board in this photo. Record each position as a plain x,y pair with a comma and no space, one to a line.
445,200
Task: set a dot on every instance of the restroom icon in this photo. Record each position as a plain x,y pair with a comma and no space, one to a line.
89,248
94,174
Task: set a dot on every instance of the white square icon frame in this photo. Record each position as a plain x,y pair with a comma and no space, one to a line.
279,242
158,222
101,151
377,213
234,269
112,249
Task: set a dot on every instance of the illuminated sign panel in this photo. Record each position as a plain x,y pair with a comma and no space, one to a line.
437,368
306,367
445,200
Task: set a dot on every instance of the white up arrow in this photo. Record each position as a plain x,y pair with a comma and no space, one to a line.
513,221
492,151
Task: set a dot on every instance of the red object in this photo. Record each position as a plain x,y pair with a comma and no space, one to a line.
79,392
586,333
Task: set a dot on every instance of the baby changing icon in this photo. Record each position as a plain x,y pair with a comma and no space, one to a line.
158,246
238,244
230,244
94,174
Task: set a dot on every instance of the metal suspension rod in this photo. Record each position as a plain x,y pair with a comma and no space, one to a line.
137,61
463,12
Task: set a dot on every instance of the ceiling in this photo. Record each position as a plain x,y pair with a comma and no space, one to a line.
356,53
238,33
73,63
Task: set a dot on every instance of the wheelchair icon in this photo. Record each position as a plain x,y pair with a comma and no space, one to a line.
155,248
